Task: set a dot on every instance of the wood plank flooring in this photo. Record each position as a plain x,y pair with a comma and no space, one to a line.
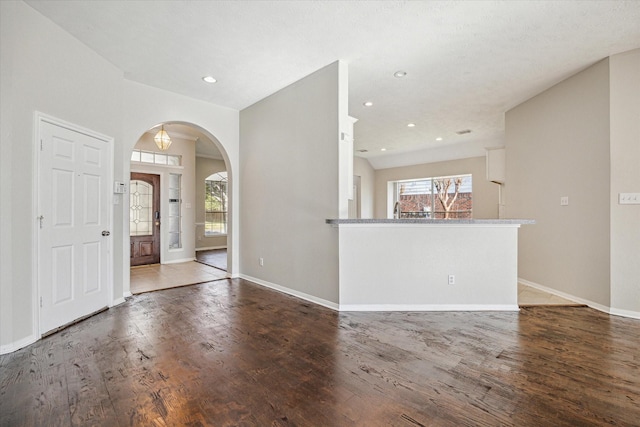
214,257
232,353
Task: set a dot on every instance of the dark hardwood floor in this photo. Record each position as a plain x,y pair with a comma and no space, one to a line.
214,258
233,353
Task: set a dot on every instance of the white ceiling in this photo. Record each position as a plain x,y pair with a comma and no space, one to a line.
467,62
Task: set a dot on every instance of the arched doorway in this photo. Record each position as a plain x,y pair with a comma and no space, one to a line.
180,217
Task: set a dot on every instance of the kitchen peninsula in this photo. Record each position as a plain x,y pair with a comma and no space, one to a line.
428,264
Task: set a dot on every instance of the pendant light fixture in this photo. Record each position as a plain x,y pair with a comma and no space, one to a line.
162,139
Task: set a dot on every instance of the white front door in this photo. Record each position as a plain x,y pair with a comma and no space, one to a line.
73,201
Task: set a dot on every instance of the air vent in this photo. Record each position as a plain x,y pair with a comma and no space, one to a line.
363,151
463,132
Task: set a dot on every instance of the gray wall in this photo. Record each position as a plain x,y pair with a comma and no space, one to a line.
625,177
289,185
43,69
363,169
557,144
485,193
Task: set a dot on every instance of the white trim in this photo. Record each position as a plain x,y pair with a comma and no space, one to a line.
160,165
39,119
293,292
564,295
117,302
35,235
179,261
208,248
428,307
17,345
127,294
625,313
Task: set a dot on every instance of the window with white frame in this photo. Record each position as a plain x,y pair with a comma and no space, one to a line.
444,197
215,204
156,158
175,211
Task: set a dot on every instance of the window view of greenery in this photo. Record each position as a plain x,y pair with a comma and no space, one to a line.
215,204
437,197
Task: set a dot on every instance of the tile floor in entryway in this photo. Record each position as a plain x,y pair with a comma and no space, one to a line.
147,278
528,295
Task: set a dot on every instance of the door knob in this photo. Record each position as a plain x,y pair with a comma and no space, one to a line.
106,233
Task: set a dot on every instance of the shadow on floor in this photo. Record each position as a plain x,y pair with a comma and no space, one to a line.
214,258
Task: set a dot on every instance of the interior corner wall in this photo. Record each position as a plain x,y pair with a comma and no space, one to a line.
557,144
625,178
485,193
187,171
43,69
289,186
204,168
363,169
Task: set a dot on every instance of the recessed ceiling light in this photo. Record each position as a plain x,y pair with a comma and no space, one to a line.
383,149
368,104
209,79
439,138
411,125
399,74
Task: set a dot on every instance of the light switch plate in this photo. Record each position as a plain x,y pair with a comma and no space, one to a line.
629,198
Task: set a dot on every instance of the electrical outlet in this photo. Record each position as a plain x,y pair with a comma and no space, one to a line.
261,262
629,199
452,279
564,201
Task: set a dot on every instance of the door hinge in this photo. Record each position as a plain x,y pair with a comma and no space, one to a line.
41,145
40,302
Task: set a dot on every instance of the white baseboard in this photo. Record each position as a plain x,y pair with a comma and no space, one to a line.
565,295
117,302
17,345
127,294
209,248
625,313
179,261
381,307
428,307
293,292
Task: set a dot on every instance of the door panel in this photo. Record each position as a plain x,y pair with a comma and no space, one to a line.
144,218
73,198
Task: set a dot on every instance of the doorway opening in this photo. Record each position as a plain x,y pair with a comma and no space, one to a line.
182,214
144,218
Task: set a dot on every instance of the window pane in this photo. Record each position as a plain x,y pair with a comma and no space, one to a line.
135,156
146,157
175,213
437,197
160,159
173,160
216,204
174,180
174,240
140,208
